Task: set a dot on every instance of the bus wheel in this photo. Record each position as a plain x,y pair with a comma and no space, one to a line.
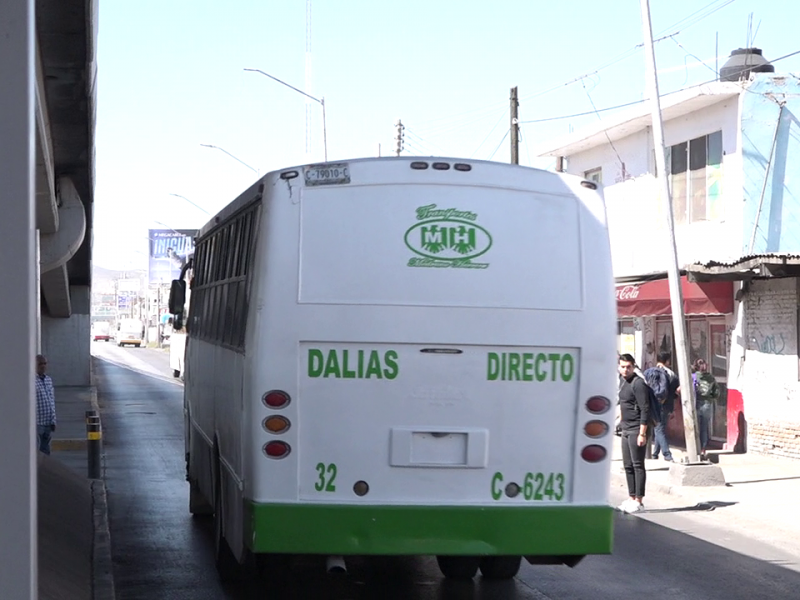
500,567
458,567
224,560
198,505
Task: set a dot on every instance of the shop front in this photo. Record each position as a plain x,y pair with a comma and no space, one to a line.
645,330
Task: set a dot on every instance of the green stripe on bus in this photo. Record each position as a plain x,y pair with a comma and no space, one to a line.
387,530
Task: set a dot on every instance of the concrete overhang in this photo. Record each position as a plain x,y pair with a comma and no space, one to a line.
66,33
624,124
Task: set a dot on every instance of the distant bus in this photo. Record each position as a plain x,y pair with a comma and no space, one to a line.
404,357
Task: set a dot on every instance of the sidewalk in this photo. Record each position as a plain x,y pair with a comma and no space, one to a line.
758,500
74,542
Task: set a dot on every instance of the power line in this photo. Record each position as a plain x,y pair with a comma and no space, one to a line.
686,22
702,62
422,142
502,116
582,114
635,102
498,145
605,131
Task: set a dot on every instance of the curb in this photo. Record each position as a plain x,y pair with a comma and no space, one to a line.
68,444
102,566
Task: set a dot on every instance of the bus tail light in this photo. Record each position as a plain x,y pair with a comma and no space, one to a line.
595,429
277,424
277,449
276,399
593,453
598,404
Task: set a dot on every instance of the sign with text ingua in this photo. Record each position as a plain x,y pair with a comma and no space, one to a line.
447,238
169,249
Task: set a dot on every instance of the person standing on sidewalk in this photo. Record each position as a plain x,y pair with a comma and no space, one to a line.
45,405
634,403
706,392
667,408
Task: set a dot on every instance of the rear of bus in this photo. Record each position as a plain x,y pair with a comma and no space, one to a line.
440,358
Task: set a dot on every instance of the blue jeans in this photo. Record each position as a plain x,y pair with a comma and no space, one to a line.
44,433
704,423
660,433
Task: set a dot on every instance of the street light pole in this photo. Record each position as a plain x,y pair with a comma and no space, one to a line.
321,101
256,171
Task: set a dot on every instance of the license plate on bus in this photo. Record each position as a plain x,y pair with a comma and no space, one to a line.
327,174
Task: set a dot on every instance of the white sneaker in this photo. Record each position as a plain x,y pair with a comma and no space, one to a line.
626,504
634,507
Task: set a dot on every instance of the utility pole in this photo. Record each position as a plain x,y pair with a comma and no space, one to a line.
399,137
673,272
514,127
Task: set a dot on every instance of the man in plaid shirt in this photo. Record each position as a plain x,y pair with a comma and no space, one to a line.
45,405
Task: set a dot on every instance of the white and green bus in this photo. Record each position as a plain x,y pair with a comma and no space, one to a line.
401,356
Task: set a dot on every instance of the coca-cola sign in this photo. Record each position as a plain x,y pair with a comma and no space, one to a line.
628,292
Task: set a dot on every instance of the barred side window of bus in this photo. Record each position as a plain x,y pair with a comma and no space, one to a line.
222,310
232,249
241,311
236,246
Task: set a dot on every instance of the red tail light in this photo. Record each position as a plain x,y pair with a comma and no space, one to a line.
277,449
276,399
598,404
593,453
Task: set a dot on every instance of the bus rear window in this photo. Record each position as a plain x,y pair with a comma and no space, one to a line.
450,246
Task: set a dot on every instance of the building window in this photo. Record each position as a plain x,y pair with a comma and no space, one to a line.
695,169
595,175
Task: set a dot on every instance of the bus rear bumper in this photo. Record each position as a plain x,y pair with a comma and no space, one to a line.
542,534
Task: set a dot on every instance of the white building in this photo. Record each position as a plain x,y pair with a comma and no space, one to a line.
736,199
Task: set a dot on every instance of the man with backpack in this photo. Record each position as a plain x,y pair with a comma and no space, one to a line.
634,404
666,387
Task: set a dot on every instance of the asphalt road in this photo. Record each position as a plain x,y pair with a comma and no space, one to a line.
161,552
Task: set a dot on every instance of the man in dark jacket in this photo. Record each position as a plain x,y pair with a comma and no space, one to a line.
634,404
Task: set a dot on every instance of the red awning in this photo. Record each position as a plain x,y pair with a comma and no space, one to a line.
652,298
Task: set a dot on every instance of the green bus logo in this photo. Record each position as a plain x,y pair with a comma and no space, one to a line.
451,238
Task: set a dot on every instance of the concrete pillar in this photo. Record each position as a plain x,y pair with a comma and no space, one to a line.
38,291
65,342
18,550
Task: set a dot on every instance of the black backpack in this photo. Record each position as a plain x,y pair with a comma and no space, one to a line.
655,403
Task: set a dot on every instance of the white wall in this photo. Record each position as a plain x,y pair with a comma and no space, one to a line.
65,342
770,385
636,220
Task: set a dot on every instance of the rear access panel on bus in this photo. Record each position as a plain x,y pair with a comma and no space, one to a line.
436,424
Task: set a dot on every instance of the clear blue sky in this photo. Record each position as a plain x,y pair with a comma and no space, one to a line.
171,77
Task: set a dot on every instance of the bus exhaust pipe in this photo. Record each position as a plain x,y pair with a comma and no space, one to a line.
335,564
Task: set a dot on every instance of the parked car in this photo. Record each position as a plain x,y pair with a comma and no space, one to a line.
101,331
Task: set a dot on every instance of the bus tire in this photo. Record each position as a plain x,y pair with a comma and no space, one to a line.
224,560
198,505
500,567
458,567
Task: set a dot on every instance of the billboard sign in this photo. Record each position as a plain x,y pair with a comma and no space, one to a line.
169,249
